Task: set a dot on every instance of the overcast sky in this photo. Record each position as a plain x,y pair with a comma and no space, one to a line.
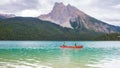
105,10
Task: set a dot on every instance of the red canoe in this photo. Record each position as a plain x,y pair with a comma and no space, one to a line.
71,46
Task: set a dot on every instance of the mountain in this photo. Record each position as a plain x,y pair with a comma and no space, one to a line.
70,16
61,14
62,23
3,16
28,28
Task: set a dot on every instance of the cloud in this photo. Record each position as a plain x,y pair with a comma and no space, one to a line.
106,15
29,13
105,10
18,5
116,6
4,2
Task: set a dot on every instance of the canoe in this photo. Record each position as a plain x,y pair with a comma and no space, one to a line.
71,46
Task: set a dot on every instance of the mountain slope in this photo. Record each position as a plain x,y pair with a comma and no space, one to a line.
4,16
27,28
69,16
89,23
61,14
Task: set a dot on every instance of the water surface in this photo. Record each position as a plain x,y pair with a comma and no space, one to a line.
48,54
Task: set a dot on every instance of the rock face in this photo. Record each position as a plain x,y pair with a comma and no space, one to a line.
69,16
61,14
89,23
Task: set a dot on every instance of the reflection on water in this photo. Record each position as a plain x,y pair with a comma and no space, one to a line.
46,54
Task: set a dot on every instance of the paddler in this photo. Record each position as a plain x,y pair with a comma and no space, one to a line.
75,44
64,44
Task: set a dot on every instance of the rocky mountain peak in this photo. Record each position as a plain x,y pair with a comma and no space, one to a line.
61,14
70,16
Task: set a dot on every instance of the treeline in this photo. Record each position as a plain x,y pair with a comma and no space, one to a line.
109,37
26,28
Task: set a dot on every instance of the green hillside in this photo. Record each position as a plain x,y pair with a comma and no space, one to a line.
27,28
109,37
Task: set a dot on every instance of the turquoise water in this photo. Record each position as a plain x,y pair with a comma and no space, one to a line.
48,54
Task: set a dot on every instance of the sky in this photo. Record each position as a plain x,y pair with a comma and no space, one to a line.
105,10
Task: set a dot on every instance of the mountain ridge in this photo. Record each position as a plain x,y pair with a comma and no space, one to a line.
4,16
28,28
61,14
69,23
69,16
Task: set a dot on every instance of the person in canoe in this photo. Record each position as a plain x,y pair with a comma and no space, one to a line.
75,44
64,44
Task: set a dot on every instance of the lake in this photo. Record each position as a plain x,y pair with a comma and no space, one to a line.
48,54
